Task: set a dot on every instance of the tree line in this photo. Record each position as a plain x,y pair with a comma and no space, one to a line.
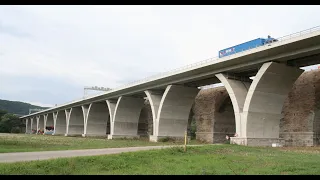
10,123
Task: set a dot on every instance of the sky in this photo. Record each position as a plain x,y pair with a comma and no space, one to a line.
48,54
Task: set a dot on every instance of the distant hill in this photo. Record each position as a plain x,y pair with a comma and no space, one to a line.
17,107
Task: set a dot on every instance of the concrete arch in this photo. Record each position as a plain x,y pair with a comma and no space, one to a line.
111,103
265,99
154,98
126,116
40,122
171,113
60,122
145,125
75,121
49,120
97,120
258,122
237,91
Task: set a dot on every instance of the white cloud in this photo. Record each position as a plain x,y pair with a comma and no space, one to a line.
76,46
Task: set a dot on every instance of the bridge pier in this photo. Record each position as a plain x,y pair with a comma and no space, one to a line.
60,122
258,108
75,121
124,115
214,115
96,119
48,121
33,124
170,111
28,126
40,122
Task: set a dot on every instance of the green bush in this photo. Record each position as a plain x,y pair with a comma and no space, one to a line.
9,122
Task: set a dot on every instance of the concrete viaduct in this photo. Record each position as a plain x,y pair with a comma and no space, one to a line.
257,103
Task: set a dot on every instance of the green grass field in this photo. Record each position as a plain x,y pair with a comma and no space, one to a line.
208,159
28,143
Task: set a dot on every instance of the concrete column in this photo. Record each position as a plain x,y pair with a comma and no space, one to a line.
261,112
60,122
33,124
75,121
111,103
85,110
28,125
237,91
49,120
40,122
45,122
171,110
96,119
125,117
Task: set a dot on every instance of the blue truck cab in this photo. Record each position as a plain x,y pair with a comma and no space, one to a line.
245,46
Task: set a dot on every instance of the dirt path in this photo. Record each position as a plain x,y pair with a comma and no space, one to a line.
31,156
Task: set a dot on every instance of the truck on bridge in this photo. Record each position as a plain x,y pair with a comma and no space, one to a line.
245,46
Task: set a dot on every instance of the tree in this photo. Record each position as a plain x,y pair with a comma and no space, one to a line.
10,123
2,113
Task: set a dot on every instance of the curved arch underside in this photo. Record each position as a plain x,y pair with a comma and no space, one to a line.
49,121
214,115
126,116
28,126
76,122
33,123
257,122
60,123
98,120
40,122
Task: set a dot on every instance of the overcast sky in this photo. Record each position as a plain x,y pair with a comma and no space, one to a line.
49,53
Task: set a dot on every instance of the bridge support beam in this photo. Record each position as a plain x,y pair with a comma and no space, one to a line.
75,121
96,119
60,122
40,122
258,108
33,124
28,126
171,110
48,121
124,116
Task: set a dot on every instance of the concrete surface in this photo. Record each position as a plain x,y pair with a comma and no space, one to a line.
126,117
237,91
173,111
49,120
60,122
265,99
97,121
75,121
28,126
40,122
145,126
32,156
33,123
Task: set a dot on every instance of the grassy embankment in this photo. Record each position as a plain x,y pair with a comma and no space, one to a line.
28,143
209,159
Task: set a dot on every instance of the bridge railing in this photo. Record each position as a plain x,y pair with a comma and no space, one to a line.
200,63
